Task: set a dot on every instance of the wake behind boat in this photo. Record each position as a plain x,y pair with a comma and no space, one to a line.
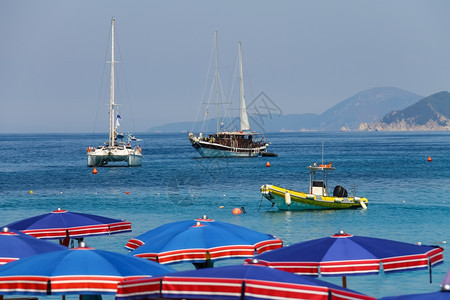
242,143
317,196
116,149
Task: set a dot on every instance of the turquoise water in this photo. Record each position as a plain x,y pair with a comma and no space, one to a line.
408,196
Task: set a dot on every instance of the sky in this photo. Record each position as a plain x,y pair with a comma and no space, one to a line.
307,56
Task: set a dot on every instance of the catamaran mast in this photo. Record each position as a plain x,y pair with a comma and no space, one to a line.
217,81
243,109
111,97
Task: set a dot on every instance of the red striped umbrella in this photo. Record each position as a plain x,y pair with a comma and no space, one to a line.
200,241
61,224
233,283
80,270
16,245
343,254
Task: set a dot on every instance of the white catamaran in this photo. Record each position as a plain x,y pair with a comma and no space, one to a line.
240,143
115,150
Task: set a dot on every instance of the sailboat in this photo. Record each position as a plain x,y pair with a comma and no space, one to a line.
115,149
241,143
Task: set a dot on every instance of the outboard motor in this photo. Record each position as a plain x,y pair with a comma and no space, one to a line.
339,191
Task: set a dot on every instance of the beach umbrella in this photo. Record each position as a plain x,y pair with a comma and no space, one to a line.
443,294
62,224
343,254
200,241
17,245
233,282
82,270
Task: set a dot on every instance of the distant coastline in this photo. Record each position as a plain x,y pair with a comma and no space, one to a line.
377,109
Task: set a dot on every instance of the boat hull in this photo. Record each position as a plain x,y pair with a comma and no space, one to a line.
303,201
209,149
103,156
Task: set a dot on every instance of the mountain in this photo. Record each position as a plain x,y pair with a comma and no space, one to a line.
430,113
283,123
364,107
260,123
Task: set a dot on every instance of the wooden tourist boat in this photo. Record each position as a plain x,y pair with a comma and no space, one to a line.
230,143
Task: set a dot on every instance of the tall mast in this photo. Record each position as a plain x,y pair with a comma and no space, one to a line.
112,96
243,109
217,81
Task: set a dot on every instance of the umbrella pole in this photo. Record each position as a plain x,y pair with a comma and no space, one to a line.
243,290
344,281
429,268
207,264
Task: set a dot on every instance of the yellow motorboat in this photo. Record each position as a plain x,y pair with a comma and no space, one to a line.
317,197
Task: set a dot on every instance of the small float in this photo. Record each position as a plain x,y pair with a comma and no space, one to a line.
317,197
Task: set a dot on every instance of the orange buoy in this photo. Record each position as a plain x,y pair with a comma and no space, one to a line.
268,164
128,192
429,158
94,171
237,211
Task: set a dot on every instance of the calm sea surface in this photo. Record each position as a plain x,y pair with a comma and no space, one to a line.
408,196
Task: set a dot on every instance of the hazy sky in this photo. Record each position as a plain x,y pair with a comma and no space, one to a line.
305,55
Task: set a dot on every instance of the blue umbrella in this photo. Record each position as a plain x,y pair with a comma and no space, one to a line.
200,241
343,254
60,224
234,283
80,270
17,245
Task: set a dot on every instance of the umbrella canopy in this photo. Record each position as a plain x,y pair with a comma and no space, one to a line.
443,294
80,270
344,254
60,224
234,282
200,240
16,245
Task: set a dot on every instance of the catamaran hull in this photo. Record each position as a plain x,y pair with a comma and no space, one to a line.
206,149
286,199
100,158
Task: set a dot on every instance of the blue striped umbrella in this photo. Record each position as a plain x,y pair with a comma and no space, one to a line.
343,254
17,245
199,241
234,283
80,270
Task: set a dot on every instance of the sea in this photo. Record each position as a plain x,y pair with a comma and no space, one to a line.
408,195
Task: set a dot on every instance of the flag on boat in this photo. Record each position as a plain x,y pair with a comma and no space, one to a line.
117,121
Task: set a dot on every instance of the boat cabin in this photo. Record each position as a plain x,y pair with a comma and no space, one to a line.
319,188
238,139
318,179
